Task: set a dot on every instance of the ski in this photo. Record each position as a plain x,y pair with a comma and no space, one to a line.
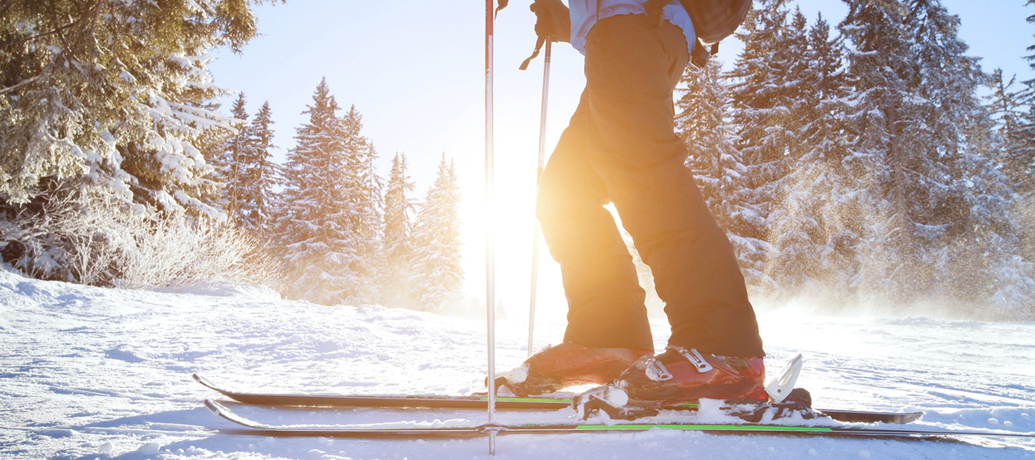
478,401
342,431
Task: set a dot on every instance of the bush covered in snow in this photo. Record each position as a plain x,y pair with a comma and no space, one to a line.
92,238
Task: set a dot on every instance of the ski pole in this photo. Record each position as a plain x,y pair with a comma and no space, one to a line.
538,178
490,256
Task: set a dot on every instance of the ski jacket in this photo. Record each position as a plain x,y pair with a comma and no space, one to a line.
584,16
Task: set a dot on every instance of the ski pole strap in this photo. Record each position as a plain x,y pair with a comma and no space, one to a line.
543,25
538,46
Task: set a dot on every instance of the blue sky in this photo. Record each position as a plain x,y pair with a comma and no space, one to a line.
413,68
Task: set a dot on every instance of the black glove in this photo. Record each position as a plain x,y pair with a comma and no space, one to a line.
552,20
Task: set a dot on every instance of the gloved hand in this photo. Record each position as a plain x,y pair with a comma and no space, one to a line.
553,19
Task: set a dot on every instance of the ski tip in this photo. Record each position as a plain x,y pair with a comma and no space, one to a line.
206,382
215,407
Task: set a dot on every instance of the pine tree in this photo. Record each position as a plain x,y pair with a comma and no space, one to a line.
792,229
109,98
762,87
1019,155
938,220
796,81
811,228
718,167
120,91
947,85
322,227
234,157
438,275
1007,107
397,246
1022,155
362,190
963,216
879,128
986,261
258,175
1014,114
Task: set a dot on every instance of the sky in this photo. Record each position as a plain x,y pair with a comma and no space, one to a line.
415,70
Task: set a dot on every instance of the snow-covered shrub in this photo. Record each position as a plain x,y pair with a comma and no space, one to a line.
175,252
92,238
29,239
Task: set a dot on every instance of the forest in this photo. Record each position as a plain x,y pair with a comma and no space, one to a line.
119,168
868,161
871,160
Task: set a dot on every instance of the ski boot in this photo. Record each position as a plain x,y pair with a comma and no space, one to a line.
674,379
679,378
568,364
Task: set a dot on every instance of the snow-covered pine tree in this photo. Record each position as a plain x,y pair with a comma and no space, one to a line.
1021,157
977,255
258,175
946,111
987,266
320,231
791,226
793,80
234,157
396,244
761,90
718,168
1013,112
1007,106
438,276
363,191
963,202
117,90
937,223
811,228
879,126
1022,172
825,149
107,98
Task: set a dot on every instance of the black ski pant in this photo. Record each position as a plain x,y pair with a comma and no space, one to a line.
620,147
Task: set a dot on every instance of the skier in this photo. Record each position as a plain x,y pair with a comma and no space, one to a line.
620,147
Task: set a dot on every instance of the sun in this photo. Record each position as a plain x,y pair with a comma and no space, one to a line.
513,229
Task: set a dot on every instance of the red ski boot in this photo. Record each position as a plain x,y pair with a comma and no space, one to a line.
678,376
568,364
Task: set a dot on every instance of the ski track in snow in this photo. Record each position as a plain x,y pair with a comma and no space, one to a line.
102,373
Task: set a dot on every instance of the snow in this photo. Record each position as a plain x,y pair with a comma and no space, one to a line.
103,373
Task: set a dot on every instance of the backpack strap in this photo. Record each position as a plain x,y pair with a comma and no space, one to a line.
701,53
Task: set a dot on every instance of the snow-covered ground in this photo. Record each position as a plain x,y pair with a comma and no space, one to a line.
103,373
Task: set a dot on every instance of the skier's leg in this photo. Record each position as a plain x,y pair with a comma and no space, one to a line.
631,71
605,301
607,321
